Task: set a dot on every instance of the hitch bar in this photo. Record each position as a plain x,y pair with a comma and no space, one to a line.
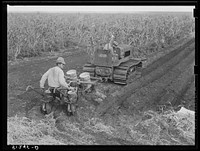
32,88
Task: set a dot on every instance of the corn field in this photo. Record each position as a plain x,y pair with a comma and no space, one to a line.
31,34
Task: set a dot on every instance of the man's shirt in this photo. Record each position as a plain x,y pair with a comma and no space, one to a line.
55,78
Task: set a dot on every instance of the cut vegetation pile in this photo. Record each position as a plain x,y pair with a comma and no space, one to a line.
167,128
22,130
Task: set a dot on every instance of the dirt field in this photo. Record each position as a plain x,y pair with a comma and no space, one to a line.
29,73
167,81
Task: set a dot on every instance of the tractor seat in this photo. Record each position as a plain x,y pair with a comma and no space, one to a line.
47,91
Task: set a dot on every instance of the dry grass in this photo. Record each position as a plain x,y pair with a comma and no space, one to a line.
22,130
167,128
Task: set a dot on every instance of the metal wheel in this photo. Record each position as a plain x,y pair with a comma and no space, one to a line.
67,110
46,108
73,109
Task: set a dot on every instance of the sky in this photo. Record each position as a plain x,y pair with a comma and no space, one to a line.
118,9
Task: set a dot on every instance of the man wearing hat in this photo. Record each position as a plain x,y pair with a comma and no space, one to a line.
55,76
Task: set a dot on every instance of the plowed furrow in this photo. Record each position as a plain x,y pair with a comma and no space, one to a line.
153,94
179,96
190,97
173,97
166,58
145,80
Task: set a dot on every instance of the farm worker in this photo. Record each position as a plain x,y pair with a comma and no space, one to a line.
55,76
111,44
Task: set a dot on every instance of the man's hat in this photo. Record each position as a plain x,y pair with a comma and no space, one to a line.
60,60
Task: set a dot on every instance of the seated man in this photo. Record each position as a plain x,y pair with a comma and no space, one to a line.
55,76
109,46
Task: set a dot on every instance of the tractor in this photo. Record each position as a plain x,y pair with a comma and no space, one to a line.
114,62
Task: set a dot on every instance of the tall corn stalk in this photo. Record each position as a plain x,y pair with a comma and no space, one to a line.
29,34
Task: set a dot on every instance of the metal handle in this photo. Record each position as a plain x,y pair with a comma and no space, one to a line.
29,86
